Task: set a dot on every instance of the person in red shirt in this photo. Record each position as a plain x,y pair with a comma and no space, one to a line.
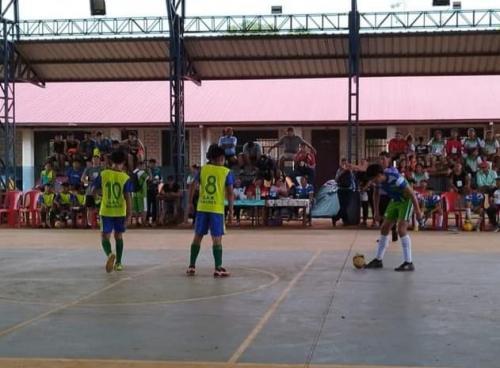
258,183
397,145
305,165
454,145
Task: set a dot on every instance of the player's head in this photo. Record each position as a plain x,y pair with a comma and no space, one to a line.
384,159
216,155
115,144
65,187
118,159
47,188
290,131
454,133
96,160
141,165
304,179
375,173
474,188
429,190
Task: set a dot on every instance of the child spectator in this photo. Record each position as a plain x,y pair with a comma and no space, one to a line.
74,174
63,202
454,145
170,195
419,175
422,150
155,178
306,191
410,147
46,205
47,176
79,207
256,189
432,205
139,196
474,203
437,147
494,206
239,194
471,142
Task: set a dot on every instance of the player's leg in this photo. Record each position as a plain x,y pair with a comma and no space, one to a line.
405,210
107,226
200,230
119,225
480,211
439,213
468,211
217,230
390,218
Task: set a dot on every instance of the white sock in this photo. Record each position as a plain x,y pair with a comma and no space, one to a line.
406,244
440,220
468,213
382,246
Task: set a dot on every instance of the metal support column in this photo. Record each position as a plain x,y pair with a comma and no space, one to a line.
8,165
176,14
353,98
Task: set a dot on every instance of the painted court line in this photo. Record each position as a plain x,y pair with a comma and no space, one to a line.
69,305
89,363
246,343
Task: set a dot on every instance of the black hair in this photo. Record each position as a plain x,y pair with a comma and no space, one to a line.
115,141
132,133
384,154
373,170
118,157
474,186
214,152
430,188
65,185
170,178
152,161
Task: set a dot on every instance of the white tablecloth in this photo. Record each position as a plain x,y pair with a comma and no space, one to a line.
288,202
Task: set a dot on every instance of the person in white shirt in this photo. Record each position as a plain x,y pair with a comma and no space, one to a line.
494,207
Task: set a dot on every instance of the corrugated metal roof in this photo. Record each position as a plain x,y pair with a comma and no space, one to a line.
268,56
264,102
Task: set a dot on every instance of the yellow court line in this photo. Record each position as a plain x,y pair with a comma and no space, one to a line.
90,363
246,343
73,303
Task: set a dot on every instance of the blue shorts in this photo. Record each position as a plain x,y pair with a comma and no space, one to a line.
110,224
206,220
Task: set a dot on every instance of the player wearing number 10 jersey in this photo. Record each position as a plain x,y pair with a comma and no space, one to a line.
216,184
116,206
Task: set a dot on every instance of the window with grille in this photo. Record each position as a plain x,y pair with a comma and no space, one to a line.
266,138
375,142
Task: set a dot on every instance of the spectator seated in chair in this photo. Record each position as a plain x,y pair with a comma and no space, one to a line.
459,181
494,206
46,205
431,205
86,148
305,191
474,203
79,207
419,175
486,178
47,176
471,142
170,195
239,194
135,150
489,146
63,203
74,174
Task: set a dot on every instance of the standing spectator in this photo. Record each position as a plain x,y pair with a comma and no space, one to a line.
419,175
239,194
48,176
86,148
71,147
228,142
139,196
422,150
135,150
437,147
74,174
459,181
59,149
494,206
486,178
155,178
471,142
250,155
89,175
191,180
454,145
346,185
170,195
291,144
490,146
397,145
380,197
305,164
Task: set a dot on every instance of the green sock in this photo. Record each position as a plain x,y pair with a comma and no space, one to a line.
195,250
119,250
217,251
106,245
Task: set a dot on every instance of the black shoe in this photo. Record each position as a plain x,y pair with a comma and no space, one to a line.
395,237
375,263
406,266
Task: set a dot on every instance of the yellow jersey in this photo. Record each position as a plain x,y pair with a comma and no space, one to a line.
114,184
213,182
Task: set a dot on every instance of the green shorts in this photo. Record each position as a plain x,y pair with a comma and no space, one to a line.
139,203
399,211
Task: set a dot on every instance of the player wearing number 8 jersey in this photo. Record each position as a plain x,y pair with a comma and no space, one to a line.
216,184
116,206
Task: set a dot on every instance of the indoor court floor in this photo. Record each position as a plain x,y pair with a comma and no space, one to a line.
294,300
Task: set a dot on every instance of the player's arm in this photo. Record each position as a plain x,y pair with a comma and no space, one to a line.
277,144
96,185
192,190
230,202
411,194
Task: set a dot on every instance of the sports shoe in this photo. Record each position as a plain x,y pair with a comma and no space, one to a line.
221,272
191,271
406,266
118,267
375,263
110,263
395,236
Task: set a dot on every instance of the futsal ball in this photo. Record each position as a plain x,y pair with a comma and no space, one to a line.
467,226
358,260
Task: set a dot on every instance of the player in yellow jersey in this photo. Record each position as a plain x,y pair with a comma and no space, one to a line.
116,207
215,185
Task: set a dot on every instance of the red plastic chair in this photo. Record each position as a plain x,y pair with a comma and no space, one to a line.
11,207
30,210
449,200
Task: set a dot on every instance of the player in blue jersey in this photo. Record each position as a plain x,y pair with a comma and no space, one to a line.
474,203
402,202
432,205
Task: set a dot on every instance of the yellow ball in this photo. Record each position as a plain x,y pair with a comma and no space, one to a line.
467,226
358,260
58,224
